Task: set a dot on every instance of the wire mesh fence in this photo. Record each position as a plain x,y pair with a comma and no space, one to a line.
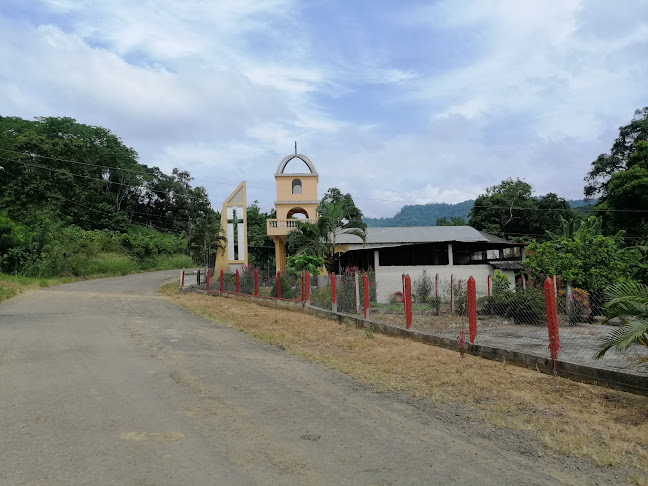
509,315
547,318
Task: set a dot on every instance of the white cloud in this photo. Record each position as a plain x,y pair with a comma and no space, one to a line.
486,90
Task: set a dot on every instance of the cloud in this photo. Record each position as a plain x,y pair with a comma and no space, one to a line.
418,102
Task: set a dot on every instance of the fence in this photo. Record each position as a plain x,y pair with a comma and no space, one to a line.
545,318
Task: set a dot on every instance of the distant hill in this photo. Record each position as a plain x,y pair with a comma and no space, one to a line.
427,214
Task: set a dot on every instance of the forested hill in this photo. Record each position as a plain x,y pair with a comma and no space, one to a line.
427,214
423,214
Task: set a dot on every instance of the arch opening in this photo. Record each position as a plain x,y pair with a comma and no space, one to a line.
296,166
297,213
296,186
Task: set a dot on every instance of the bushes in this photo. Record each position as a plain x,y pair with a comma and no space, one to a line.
523,307
286,289
49,248
322,297
423,287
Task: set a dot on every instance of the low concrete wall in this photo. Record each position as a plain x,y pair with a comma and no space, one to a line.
587,374
388,279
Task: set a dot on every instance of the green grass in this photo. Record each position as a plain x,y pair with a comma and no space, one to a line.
394,307
12,285
171,262
101,265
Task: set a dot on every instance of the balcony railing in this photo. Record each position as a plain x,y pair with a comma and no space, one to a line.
278,227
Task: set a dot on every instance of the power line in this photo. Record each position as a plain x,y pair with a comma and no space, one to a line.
517,208
78,203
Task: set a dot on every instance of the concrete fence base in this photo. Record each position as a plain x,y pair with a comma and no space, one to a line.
577,372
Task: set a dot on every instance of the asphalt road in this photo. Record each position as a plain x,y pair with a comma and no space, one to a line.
105,382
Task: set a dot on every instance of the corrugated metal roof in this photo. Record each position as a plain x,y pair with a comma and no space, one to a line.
423,234
508,265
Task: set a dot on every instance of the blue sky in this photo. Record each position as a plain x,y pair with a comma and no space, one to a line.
395,102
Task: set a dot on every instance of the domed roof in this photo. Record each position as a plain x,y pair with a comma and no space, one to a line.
282,165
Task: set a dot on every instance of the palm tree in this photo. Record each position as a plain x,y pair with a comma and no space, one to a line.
628,301
319,238
206,239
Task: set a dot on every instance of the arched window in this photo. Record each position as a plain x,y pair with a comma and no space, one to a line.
296,186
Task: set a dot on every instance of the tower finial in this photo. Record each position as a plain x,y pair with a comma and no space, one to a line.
295,147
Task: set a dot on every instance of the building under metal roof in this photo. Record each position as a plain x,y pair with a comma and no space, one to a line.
413,235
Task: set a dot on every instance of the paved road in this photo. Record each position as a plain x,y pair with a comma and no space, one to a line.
105,382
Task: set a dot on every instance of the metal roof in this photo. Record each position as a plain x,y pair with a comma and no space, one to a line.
508,265
423,234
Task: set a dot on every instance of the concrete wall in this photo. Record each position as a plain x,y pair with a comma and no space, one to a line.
388,279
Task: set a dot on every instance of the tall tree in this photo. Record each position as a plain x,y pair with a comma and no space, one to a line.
623,147
261,246
510,210
620,179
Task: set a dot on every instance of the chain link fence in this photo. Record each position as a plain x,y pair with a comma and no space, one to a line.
509,315
491,310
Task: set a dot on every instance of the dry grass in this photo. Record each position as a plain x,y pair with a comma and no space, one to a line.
574,419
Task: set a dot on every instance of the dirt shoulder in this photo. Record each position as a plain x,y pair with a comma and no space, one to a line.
532,413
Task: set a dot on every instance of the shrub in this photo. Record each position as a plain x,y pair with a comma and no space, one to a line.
523,306
435,303
423,287
246,280
501,283
286,289
460,296
322,297
528,307
298,263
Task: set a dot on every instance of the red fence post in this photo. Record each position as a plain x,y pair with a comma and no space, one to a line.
472,309
207,280
552,320
238,287
182,279
222,281
333,293
278,285
256,283
489,281
307,287
408,302
365,291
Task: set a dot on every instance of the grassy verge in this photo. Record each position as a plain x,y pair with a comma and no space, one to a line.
12,285
578,420
102,265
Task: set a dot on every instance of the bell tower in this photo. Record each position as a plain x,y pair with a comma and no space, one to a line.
296,201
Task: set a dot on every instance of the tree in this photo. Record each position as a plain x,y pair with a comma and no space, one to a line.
298,263
337,214
205,240
587,258
509,209
628,301
625,204
261,246
453,221
83,171
352,212
620,178
622,149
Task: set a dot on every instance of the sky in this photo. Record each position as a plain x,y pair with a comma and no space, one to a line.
406,102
